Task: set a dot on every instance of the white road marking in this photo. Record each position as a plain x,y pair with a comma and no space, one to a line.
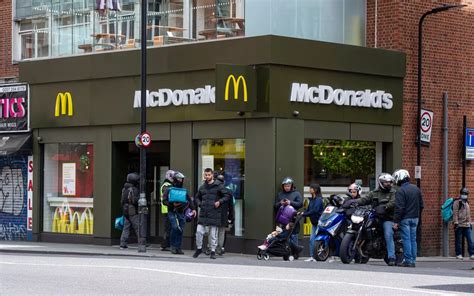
231,278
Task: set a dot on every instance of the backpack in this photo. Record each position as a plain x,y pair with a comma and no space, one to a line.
177,194
447,210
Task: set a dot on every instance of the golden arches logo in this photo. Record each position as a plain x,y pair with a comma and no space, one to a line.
236,83
63,104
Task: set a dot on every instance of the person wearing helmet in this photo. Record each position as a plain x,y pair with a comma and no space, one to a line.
289,196
168,182
383,199
408,207
129,202
176,210
353,194
462,223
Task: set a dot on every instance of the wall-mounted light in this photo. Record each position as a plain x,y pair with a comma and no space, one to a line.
241,113
296,113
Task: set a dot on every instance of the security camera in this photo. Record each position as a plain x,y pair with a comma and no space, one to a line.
296,113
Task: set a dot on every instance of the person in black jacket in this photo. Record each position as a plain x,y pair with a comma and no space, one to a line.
408,206
210,197
176,213
129,202
314,211
289,196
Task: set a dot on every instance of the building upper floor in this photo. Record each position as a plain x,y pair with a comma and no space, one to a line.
52,28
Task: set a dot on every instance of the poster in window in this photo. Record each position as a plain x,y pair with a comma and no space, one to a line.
69,179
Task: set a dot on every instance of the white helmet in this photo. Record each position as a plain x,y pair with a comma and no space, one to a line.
385,181
354,186
401,176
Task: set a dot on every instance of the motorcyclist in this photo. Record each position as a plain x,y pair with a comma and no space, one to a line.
383,199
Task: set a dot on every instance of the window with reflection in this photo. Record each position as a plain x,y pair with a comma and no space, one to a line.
226,156
68,188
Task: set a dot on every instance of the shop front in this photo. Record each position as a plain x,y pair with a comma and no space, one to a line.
316,111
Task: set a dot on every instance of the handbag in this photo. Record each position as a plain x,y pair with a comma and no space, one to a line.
119,222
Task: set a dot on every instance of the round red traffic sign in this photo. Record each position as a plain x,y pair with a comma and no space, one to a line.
145,139
426,122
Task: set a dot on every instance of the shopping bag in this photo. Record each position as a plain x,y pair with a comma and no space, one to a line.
119,222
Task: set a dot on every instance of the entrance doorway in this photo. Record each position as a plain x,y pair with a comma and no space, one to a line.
126,159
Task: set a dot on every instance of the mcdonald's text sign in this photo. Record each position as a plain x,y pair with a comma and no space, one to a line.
236,88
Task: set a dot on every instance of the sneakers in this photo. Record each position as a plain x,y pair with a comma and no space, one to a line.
179,252
472,257
391,262
332,259
197,253
310,259
459,257
165,249
213,255
220,251
406,264
123,247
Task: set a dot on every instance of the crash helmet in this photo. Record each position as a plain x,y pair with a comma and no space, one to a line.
178,179
133,178
385,181
401,176
286,181
355,187
337,200
169,175
464,193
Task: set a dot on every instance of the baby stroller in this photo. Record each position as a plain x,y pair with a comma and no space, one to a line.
281,247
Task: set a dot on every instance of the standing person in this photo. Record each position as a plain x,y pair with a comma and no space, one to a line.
383,198
168,182
289,196
462,224
177,199
408,206
314,211
210,197
129,201
227,216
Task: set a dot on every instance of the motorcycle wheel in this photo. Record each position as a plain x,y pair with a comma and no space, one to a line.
321,251
347,254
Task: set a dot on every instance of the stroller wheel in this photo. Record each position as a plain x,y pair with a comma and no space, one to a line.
259,255
266,256
291,258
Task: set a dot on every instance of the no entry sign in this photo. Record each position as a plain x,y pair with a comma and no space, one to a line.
426,125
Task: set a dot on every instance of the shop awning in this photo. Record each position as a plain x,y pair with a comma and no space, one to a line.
13,143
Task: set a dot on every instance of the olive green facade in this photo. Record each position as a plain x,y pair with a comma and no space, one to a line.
103,89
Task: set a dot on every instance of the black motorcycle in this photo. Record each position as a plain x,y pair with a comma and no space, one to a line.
365,239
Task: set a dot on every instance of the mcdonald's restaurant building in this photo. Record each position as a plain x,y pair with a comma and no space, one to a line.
257,108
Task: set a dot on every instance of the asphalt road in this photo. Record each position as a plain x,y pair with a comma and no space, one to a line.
41,274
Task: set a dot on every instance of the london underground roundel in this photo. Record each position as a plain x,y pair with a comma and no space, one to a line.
145,139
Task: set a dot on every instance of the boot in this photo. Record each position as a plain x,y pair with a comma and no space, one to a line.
213,255
197,253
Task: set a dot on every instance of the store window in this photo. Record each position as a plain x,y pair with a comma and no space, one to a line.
68,188
338,163
228,157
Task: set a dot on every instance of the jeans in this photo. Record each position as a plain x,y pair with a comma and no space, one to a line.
167,234
408,231
294,239
459,234
312,238
388,234
177,222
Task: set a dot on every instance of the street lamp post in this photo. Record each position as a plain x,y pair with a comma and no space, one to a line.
418,125
420,52
142,203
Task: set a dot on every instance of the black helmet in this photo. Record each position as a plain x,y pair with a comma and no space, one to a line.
133,178
464,191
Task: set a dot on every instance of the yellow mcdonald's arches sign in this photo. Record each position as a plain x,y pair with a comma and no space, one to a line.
236,83
63,104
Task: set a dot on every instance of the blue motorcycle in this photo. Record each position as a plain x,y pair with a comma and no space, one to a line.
331,228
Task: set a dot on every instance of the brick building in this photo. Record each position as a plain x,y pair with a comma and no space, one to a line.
448,65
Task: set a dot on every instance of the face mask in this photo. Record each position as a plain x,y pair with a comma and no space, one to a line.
464,197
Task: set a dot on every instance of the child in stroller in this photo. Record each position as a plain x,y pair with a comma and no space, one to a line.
278,243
